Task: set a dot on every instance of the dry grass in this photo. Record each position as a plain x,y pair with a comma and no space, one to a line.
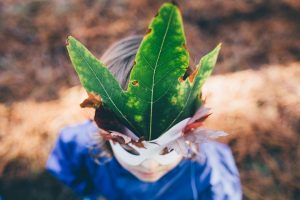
260,109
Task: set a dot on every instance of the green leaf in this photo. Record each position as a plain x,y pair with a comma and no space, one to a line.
161,59
157,97
96,78
188,92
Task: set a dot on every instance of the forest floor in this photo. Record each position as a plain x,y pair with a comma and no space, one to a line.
256,78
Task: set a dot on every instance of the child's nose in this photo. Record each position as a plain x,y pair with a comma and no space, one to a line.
150,164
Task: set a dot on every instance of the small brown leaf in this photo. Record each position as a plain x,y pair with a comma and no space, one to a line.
193,75
197,120
191,127
115,138
165,151
93,101
139,143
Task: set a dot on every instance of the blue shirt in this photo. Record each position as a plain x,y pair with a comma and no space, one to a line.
214,176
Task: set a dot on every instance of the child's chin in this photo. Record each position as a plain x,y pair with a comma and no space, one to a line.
152,178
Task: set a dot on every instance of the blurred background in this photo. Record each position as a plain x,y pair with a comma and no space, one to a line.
254,92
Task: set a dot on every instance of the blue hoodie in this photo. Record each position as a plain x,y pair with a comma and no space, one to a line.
214,176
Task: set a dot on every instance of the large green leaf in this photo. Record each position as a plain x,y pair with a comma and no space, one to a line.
161,59
156,97
187,94
97,79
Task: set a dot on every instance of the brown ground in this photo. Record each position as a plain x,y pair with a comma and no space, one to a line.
259,105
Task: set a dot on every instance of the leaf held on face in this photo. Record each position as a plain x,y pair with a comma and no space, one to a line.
161,59
97,79
157,97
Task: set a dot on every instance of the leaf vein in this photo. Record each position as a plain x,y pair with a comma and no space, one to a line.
99,81
153,76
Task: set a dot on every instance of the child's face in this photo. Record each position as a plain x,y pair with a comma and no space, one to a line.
149,170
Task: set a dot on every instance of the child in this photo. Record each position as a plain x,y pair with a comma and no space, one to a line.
139,170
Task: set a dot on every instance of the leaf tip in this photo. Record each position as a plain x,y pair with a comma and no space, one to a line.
170,4
217,50
218,47
68,40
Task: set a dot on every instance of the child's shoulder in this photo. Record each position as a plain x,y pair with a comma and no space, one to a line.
219,150
81,133
215,172
218,161
218,155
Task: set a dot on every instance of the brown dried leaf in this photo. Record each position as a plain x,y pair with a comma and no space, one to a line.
93,101
165,151
115,138
138,143
197,120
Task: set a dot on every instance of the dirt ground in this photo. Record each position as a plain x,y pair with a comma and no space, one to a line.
254,92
